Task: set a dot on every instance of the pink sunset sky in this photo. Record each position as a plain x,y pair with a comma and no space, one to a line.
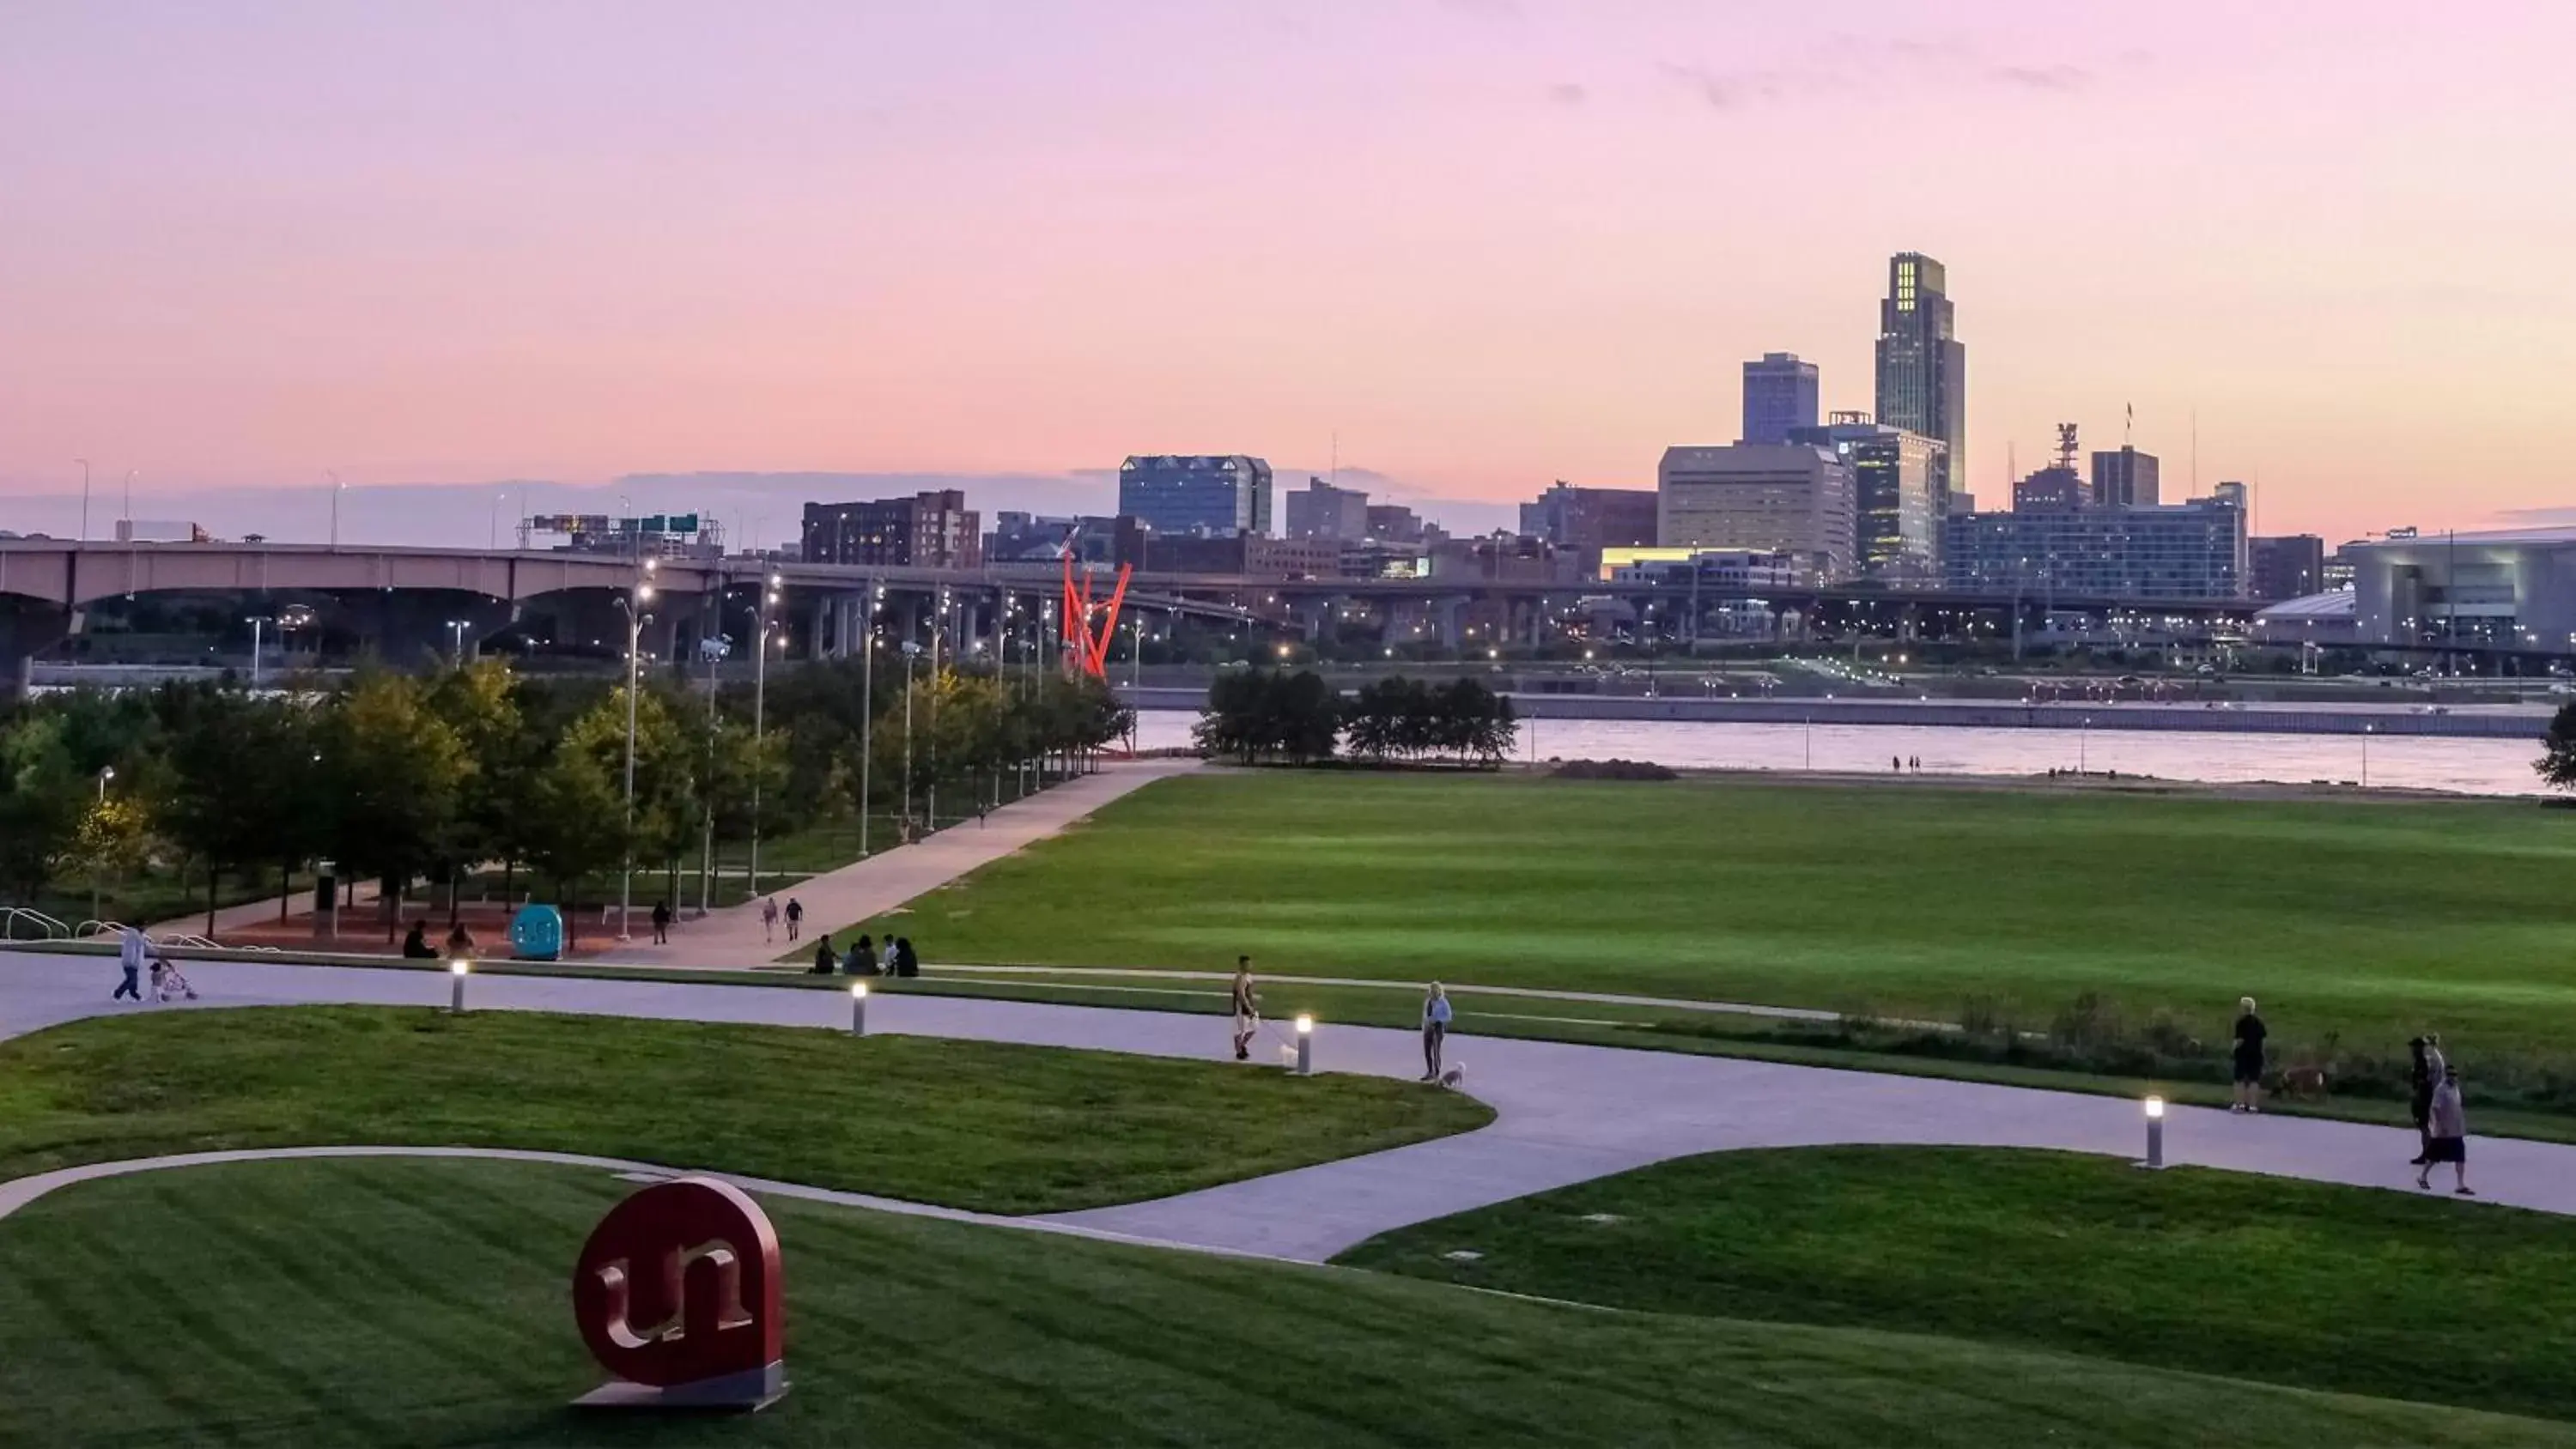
1486,243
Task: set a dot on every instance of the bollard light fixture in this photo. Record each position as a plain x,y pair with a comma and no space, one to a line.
858,1008
456,970
1305,1044
2155,1132
1305,1024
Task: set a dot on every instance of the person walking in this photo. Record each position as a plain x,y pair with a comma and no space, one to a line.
132,950
795,916
862,960
825,963
2450,1137
2249,1058
1435,1030
769,919
2419,1098
1247,1009
661,923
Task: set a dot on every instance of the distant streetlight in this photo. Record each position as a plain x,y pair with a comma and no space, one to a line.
105,774
456,629
635,617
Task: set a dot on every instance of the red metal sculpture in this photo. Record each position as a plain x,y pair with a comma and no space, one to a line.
678,1295
1087,648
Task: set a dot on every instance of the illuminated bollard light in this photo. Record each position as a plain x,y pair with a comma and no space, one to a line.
1305,1045
2155,1132
456,999
858,1008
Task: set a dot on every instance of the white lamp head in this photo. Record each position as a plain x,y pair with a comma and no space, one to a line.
460,966
1305,1024
858,991
2155,1109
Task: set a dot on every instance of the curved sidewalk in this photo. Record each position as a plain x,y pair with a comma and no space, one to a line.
1568,1113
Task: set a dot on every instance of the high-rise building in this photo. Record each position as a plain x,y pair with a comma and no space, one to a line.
1922,365
2194,550
1208,494
1591,518
1784,498
1325,511
1898,527
2125,479
2288,566
1779,397
928,530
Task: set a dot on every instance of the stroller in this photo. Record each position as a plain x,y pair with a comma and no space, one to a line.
168,983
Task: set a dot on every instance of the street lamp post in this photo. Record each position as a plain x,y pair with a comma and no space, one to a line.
2365,756
635,617
84,466
759,703
337,488
873,594
456,631
911,652
257,623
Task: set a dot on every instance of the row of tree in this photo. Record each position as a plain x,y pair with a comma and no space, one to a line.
398,778
1258,716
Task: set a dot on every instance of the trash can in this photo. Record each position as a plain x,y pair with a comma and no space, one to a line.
537,934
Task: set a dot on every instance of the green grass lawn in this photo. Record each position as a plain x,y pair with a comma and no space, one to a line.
2371,920
969,1124
2296,1283
387,1303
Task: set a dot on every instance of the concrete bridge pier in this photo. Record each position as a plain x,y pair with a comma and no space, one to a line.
1450,613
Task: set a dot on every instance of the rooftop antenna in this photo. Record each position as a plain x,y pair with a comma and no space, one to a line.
1337,458
2128,425
2066,446
2195,451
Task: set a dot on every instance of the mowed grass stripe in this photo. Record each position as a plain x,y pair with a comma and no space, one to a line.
2365,919
908,1331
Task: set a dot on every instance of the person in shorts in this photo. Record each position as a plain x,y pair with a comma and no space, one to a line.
2450,1136
1247,1009
2248,1058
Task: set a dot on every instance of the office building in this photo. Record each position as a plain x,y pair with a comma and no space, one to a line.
2054,489
1591,518
2125,479
1325,511
1778,498
1206,494
1720,571
2288,566
1922,365
1394,523
1779,397
2194,550
1893,471
927,530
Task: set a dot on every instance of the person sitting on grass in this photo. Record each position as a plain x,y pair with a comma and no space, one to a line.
2450,1139
905,962
825,963
460,943
862,960
416,946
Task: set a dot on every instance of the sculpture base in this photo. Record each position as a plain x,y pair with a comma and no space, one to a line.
743,1393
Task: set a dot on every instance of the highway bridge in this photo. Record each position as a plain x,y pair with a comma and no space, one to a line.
401,599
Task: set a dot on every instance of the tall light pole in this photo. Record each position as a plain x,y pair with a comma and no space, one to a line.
2365,756
337,488
105,774
759,705
256,622
871,593
911,652
456,633
84,465
938,634
635,617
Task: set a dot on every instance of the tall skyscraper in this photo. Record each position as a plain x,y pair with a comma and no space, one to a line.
1899,534
1922,365
1779,395
1208,494
2125,479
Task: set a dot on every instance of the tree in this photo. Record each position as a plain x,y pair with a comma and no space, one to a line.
244,789
480,703
575,823
42,798
1266,715
398,773
114,840
2557,762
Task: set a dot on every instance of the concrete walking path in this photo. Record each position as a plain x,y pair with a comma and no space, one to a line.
733,937
1567,1113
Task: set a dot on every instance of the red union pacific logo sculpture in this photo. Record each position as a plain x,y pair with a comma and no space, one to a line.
678,1295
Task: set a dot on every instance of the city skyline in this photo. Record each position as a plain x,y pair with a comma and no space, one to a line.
1488,244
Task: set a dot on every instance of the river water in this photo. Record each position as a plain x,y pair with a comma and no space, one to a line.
2468,766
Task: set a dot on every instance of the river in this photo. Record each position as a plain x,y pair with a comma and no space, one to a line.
2466,766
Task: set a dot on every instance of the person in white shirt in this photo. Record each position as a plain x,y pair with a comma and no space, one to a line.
1435,1030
